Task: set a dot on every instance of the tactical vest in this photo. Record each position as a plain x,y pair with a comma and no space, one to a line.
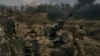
77,35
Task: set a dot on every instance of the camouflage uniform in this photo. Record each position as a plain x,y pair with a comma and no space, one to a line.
1,37
3,42
78,41
44,46
9,28
28,42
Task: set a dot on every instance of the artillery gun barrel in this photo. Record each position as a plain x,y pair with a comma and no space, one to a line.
72,12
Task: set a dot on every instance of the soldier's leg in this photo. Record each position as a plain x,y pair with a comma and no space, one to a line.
35,54
81,48
27,51
75,50
76,47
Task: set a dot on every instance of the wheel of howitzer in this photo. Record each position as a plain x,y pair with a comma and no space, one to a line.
64,38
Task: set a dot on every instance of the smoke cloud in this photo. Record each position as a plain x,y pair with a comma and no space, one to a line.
54,14
91,12
84,2
87,9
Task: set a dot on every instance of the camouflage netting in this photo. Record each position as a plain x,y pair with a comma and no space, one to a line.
47,48
44,47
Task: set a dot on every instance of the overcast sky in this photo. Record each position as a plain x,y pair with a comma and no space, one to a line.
19,2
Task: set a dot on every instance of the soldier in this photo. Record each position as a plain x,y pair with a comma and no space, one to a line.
10,27
31,44
46,29
10,32
78,34
1,35
3,41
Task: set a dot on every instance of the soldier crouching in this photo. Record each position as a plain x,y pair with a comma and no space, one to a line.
78,34
31,44
45,46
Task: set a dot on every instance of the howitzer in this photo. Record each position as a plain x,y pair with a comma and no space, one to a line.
64,37
70,15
